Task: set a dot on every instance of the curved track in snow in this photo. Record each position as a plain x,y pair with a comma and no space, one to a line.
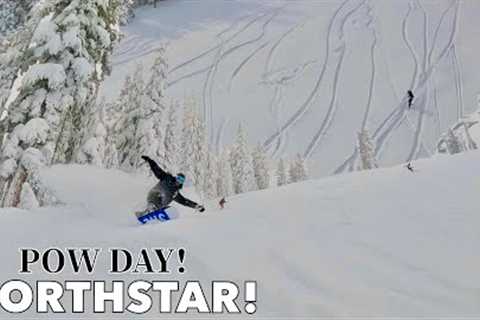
327,121
253,49
306,105
420,87
224,41
210,79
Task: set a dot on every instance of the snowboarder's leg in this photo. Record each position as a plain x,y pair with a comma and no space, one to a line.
153,203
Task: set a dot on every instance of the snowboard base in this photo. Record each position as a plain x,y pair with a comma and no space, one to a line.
144,217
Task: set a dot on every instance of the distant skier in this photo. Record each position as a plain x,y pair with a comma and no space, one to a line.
410,98
167,189
409,167
221,203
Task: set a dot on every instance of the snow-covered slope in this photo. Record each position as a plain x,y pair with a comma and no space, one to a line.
306,76
386,242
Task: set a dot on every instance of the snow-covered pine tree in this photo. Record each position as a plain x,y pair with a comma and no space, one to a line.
282,177
8,18
171,141
13,15
93,151
242,164
193,144
20,166
155,96
367,151
126,111
210,187
65,60
470,143
109,117
453,143
12,57
136,128
126,13
224,175
260,168
298,170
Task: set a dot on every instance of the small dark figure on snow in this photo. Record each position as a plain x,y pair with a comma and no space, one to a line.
410,98
222,202
409,167
167,189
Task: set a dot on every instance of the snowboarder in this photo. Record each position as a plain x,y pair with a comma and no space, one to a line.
222,202
409,167
410,98
167,189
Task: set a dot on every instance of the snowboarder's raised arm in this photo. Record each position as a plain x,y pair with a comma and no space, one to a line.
157,171
187,202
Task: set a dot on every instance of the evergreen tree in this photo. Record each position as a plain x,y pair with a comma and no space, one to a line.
126,13
224,176
260,168
110,117
66,57
171,146
242,164
155,89
210,188
155,96
367,151
93,151
13,15
298,170
282,173
453,143
193,144
137,128
470,144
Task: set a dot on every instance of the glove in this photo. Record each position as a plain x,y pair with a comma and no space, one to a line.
200,208
146,158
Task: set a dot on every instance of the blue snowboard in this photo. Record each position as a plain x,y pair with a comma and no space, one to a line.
160,214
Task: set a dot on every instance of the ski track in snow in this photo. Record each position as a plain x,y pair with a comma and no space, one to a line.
331,110
137,50
416,148
208,100
210,79
327,121
207,68
423,81
306,105
458,82
435,105
399,113
372,83
244,62
268,70
225,41
275,46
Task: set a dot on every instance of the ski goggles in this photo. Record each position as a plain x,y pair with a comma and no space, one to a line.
180,179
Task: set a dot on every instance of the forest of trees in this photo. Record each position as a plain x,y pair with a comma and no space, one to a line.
57,54
62,50
144,121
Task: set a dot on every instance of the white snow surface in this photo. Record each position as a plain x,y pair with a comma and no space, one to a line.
306,76
380,243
